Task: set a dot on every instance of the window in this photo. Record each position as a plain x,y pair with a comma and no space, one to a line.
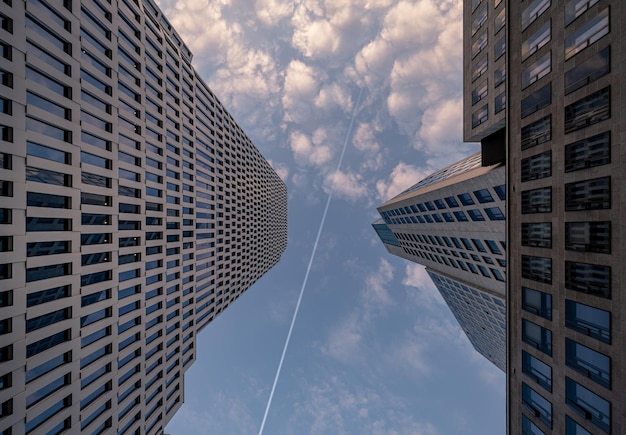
475,215
480,116
48,319
588,195
36,249
537,40
95,316
48,272
574,9
588,278
537,132
587,34
49,295
479,68
536,70
499,76
500,20
466,199
47,343
480,18
588,320
537,100
588,71
499,48
537,302
537,370
37,421
530,428
537,200
573,428
587,153
534,9
589,405
493,247
537,234
49,130
494,214
594,108
537,166
460,216
499,102
537,268
483,196
588,236
479,92
36,199
48,153
48,366
537,404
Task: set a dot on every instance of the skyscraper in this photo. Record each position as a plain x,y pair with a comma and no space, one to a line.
453,223
563,127
133,210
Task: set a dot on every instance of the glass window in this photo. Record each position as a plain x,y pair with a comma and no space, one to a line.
48,272
49,130
534,9
537,132
537,40
537,336
588,320
573,428
48,153
537,370
537,268
479,68
536,70
94,278
588,195
466,199
480,116
46,176
49,295
499,102
530,428
37,421
48,366
47,343
588,278
537,302
48,319
537,404
588,404
479,92
95,199
594,108
460,216
36,249
537,234
588,71
500,20
34,224
483,196
95,316
499,48
588,236
537,200
588,33
574,9
493,247
499,76
48,106
94,298
475,215
539,99
587,153
479,19
537,166
95,160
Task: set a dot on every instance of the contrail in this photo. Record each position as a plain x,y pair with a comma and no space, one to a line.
308,268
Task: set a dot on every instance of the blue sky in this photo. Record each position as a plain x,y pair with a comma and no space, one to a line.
375,349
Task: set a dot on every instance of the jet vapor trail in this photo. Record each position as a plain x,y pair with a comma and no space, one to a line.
308,269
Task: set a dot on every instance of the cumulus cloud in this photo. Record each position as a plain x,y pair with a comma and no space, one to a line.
307,151
425,290
281,169
345,184
271,12
299,90
402,177
364,139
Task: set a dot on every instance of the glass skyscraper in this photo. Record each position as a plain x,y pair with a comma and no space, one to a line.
133,211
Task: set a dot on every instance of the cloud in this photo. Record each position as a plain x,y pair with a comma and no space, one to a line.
345,184
299,91
271,12
310,151
281,169
426,292
376,293
402,177
364,139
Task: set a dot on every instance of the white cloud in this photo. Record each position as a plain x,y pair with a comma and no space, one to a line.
300,89
334,96
271,12
281,169
376,293
364,139
345,184
307,152
402,177
423,287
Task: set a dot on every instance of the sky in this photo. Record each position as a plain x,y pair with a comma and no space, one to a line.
374,349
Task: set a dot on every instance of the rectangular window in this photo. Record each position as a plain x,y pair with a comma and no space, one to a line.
534,9
574,9
588,71
573,428
34,224
537,234
36,249
499,48
537,268
48,319
479,44
537,370
499,102
47,343
537,132
48,106
588,320
95,199
589,405
48,366
537,302
537,336
48,153
49,295
537,200
539,99
585,35
588,278
95,180
537,404
494,214
537,40
594,108
537,166
479,92
479,68
95,317
587,153
37,421
480,18
48,272
530,428
588,236
536,70
480,116
592,194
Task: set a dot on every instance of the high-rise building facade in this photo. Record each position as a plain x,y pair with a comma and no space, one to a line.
133,210
564,127
453,223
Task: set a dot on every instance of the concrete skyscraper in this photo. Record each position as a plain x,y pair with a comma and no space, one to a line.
544,81
133,210
453,223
